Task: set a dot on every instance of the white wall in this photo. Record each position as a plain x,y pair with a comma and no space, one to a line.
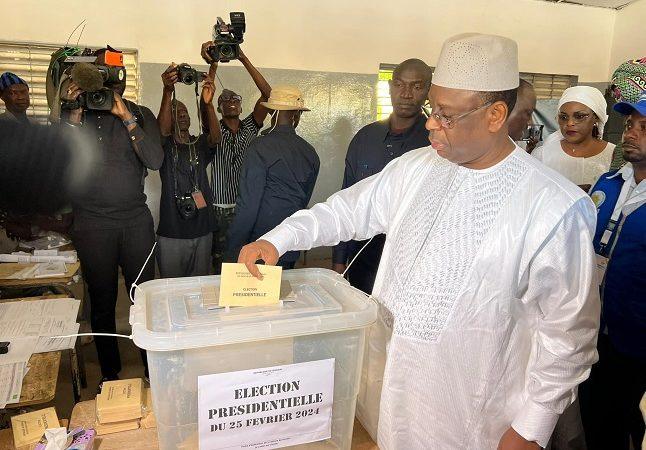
331,35
629,41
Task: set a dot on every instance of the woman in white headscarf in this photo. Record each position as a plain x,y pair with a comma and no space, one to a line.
577,150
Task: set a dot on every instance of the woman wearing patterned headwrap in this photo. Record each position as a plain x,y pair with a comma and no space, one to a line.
577,150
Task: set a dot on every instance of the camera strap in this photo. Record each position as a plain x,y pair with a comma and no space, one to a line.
193,155
193,160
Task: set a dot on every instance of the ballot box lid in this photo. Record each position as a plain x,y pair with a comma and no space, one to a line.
169,314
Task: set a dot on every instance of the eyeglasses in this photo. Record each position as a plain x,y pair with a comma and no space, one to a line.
449,122
578,117
233,98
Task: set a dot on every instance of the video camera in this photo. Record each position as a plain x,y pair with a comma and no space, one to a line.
227,38
95,79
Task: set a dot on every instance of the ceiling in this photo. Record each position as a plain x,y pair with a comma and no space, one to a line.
612,4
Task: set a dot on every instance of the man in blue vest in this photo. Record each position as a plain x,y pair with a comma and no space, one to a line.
610,399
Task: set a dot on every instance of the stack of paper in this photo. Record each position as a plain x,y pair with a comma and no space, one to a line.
69,257
115,427
119,406
29,428
28,325
11,376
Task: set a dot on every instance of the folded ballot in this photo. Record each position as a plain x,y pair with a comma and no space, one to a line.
29,428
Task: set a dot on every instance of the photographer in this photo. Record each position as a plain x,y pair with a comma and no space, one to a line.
185,212
236,136
113,226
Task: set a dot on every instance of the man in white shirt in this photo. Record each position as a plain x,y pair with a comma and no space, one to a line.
488,303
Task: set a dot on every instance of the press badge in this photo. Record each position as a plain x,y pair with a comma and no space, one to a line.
602,265
199,199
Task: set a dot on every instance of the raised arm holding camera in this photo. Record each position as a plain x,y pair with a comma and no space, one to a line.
185,213
113,226
237,134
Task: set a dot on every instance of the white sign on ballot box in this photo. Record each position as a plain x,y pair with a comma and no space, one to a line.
266,408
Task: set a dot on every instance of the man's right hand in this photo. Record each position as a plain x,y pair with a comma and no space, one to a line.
71,93
255,251
339,268
169,77
205,54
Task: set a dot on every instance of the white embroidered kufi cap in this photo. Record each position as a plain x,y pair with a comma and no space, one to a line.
478,62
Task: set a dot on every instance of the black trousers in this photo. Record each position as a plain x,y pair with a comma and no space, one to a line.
102,252
223,219
363,271
610,400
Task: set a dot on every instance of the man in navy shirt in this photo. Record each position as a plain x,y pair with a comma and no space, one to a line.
373,147
610,399
277,178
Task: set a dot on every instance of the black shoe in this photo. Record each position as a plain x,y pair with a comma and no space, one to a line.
108,378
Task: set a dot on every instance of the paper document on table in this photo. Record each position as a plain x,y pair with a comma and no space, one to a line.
23,274
54,344
20,350
59,306
49,317
10,329
11,376
50,269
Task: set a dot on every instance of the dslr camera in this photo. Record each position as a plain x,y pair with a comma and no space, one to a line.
186,206
188,75
227,38
533,133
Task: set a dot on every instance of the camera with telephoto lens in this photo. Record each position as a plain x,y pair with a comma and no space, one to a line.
186,206
227,38
187,75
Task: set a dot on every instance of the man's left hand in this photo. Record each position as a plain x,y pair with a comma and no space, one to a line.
511,440
208,90
119,108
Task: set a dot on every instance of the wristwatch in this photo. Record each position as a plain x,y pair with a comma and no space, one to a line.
132,121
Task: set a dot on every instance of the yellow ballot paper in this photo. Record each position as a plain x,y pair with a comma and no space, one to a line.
239,288
29,428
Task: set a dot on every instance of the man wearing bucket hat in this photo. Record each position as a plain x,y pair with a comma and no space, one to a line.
489,309
610,398
278,175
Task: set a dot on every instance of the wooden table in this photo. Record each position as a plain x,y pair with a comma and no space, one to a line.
83,415
40,376
8,269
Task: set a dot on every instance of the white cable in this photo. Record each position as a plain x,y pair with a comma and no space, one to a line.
355,258
134,284
90,334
